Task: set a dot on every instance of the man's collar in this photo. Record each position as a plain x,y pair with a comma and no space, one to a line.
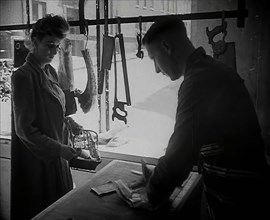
194,56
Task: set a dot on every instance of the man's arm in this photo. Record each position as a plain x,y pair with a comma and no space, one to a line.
181,154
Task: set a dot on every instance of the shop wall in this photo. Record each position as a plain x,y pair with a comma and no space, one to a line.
252,49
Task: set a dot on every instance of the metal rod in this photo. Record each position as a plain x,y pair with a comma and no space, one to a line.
241,14
98,59
107,101
192,16
83,23
28,17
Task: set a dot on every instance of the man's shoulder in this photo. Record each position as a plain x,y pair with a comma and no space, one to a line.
208,69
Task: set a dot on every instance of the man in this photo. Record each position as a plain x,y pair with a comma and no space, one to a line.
216,128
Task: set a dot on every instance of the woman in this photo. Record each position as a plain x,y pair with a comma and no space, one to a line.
40,147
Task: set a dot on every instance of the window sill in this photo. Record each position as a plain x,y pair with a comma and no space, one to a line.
126,157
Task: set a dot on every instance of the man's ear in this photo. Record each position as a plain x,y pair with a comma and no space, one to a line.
166,47
35,42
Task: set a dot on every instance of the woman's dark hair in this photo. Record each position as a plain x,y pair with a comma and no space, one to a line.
165,24
52,25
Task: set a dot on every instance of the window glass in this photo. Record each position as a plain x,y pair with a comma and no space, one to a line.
163,5
150,118
13,12
11,47
39,9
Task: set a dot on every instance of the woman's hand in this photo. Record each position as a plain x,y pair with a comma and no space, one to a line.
76,129
85,154
67,152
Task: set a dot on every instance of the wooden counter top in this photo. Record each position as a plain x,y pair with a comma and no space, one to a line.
83,204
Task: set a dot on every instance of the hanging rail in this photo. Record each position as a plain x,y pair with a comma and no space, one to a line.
240,14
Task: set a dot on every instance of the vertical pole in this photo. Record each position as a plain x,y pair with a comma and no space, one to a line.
111,31
241,13
107,104
28,17
98,59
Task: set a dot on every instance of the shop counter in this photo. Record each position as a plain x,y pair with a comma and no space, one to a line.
83,203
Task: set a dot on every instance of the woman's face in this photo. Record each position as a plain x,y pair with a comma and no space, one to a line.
46,49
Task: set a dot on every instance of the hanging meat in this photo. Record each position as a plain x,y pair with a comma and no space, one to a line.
88,98
65,68
66,77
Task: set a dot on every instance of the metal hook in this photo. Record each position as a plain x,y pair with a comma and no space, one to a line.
140,53
86,34
83,23
119,24
219,46
119,111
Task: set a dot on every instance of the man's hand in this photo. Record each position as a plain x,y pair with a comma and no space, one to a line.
143,180
140,199
146,171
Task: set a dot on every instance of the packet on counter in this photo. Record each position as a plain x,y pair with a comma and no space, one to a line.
104,188
134,198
